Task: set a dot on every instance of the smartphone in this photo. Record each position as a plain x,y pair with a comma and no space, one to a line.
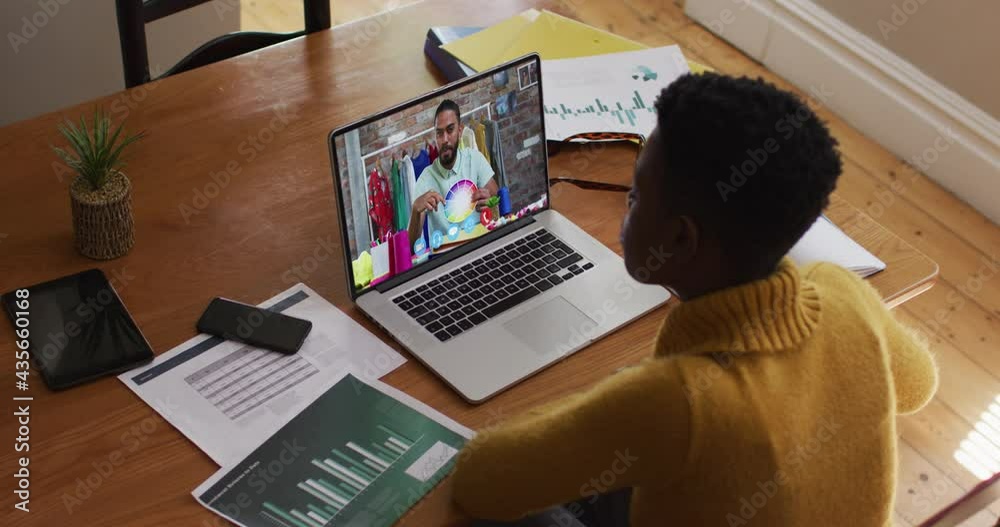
253,325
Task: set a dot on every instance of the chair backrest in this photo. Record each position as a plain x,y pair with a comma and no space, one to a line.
133,15
974,501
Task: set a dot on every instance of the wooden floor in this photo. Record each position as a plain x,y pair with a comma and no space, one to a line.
953,443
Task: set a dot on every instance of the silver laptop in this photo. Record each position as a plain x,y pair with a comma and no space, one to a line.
452,246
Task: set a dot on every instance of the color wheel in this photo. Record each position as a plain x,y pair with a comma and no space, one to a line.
458,204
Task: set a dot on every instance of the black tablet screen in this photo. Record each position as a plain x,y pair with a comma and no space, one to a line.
79,329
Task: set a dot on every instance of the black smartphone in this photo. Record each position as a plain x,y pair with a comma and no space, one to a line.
253,325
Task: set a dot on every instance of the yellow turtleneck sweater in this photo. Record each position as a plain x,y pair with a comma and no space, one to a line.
771,403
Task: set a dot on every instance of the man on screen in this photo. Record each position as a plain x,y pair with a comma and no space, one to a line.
452,166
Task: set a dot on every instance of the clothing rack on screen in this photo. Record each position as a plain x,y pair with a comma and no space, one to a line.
489,115
375,235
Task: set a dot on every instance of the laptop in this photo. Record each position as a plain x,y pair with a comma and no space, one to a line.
485,292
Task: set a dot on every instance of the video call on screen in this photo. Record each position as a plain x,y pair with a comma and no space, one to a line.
480,168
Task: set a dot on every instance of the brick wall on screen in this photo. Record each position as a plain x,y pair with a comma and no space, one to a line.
524,175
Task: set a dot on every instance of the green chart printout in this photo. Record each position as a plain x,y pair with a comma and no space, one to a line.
628,112
357,456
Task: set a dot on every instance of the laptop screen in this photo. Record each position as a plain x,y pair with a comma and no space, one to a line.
437,176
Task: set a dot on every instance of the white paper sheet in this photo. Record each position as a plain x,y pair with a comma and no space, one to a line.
607,93
228,397
825,242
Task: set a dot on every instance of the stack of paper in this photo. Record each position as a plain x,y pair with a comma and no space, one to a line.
311,439
824,242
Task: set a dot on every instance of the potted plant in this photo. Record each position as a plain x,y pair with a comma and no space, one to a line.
100,194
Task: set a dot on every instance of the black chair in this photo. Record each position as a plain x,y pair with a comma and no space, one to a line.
133,15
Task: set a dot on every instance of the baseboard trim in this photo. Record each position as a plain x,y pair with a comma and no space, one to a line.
883,96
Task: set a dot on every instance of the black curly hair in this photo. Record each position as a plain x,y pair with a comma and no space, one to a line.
448,105
749,162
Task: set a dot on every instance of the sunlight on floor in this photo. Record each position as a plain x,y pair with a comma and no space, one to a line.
980,451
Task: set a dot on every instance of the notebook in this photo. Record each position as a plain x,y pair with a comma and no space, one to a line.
482,49
452,68
825,242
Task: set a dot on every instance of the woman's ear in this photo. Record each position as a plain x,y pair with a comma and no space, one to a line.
685,239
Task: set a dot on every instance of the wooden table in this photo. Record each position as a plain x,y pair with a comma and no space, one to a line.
196,241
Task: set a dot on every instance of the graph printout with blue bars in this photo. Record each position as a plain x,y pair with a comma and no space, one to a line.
355,457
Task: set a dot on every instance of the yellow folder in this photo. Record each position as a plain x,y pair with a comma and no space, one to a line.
481,50
558,37
551,35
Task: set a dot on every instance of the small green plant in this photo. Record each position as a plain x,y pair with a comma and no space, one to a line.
97,151
493,201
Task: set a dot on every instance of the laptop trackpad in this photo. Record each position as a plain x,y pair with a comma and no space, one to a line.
553,328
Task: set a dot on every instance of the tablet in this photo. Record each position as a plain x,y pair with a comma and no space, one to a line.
78,329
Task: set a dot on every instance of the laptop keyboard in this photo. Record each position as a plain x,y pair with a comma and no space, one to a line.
488,286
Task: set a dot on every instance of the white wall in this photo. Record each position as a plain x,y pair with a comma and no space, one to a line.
954,42
885,96
57,53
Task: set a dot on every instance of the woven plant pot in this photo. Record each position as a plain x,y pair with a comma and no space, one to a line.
103,227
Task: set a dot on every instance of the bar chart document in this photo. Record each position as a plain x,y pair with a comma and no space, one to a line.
614,92
227,397
360,455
